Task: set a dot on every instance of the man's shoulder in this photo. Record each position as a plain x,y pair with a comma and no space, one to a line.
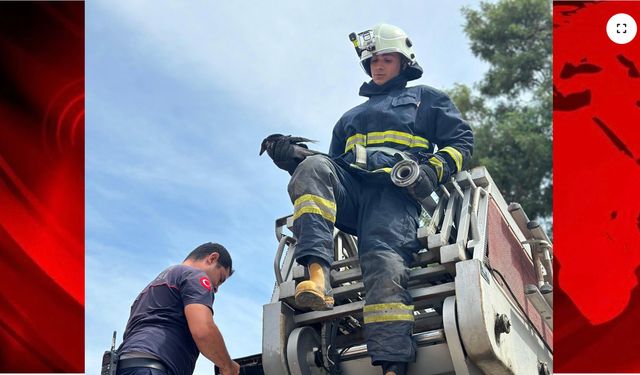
426,90
178,272
359,108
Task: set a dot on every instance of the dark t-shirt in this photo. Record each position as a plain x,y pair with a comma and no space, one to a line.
157,324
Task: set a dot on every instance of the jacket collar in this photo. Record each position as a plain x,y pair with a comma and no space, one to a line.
370,88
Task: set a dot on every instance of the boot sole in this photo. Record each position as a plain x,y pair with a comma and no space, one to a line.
313,300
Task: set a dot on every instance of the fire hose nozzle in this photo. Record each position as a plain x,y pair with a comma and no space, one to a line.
405,173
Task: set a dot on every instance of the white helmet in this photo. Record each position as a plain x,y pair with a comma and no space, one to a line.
385,38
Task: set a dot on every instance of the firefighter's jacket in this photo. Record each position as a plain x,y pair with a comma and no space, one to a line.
411,119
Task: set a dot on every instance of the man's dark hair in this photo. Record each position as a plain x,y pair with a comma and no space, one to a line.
206,249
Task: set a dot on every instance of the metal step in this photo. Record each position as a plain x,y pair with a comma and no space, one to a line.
422,258
422,297
417,276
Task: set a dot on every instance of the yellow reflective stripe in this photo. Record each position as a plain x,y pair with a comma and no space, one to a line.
377,141
315,198
389,136
389,318
386,312
419,142
455,155
394,132
313,210
355,139
313,204
392,136
397,137
328,210
438,165
387,306
416,141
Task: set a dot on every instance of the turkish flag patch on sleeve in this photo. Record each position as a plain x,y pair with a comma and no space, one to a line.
205,282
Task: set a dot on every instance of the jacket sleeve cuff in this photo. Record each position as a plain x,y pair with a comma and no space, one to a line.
440,166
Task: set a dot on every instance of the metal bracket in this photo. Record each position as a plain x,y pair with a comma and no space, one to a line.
453,339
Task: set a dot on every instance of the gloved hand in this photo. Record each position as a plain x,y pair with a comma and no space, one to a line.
425,184
286,151
422,157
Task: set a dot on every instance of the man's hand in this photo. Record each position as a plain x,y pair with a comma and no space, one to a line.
286,151
232,369
425,184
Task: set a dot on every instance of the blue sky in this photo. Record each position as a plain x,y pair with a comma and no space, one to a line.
179,97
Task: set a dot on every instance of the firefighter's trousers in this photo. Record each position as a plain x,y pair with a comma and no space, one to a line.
385,219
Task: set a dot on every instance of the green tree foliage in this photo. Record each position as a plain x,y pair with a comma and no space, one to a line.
510,108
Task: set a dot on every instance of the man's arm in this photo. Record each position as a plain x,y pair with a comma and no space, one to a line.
208,338
337,146
449,131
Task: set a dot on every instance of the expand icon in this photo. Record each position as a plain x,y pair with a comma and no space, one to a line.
621,28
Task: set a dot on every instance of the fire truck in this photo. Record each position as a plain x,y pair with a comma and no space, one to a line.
481,288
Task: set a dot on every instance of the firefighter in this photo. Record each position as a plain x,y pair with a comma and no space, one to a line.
350,188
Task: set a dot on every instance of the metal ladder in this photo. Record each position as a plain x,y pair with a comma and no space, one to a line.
469,317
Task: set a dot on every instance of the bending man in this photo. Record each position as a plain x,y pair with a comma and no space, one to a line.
171,320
